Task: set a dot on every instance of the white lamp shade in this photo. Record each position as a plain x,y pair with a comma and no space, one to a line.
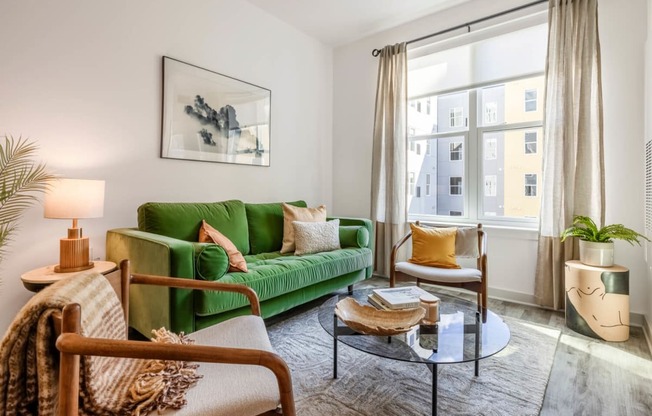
75,198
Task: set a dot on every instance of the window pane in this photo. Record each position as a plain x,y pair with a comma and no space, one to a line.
511,102
510,174
436,178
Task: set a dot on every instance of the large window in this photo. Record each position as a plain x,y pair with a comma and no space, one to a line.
482,137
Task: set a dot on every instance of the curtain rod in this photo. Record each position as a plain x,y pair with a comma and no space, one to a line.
376,52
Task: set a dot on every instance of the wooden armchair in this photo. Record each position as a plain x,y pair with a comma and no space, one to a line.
245,387
469,278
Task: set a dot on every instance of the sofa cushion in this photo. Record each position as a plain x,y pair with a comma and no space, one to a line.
182,220
208,234
211,261
273,274
265,222
292,214
316,237
354,236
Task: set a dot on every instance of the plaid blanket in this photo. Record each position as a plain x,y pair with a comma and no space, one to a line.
109,386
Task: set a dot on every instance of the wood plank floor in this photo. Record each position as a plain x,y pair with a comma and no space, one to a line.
588,377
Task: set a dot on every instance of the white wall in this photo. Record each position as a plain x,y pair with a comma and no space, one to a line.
648,136
513,253
84,80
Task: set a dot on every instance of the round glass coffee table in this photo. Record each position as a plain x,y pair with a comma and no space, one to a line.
460,336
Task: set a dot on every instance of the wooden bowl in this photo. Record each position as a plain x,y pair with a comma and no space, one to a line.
368,320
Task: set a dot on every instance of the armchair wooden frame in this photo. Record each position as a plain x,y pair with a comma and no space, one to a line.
72,344
480,288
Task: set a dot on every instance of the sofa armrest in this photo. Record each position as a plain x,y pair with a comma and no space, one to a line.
363,222
153,307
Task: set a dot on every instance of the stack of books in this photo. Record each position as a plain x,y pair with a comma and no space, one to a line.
398,297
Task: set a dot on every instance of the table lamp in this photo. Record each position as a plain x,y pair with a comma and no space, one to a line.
74,199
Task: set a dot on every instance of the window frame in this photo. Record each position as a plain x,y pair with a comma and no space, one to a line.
535,142
460,152
529,185
534,100
453,117
460,186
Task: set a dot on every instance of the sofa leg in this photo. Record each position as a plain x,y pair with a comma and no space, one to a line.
350,288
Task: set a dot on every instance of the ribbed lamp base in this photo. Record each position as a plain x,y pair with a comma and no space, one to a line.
73,254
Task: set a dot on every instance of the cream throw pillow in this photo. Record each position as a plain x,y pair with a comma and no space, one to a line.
316,237
291,214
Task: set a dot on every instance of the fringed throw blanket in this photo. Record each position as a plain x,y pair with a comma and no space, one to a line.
29,369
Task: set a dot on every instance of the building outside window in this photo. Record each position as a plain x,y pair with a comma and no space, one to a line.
455,187
491,113
530,100
456,151
418,148
428,106
530,184
419,106
411,183
456,115
530,142
481,138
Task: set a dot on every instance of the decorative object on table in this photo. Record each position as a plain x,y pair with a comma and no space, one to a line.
597,300
368,320
74,199
21,180
596,244
401,297
430,303
212,117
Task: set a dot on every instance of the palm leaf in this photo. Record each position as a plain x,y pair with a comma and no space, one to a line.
21,181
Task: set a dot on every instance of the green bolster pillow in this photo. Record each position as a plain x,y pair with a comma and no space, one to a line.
354,236
211,261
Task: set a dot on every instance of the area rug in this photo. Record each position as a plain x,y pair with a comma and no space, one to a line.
513,382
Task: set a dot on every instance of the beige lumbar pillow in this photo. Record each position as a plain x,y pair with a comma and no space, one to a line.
291,214
316,237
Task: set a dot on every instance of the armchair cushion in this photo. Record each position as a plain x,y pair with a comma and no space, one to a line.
236,389
466,242
434,247
436,274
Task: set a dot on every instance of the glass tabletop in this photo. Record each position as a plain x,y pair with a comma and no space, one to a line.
459,336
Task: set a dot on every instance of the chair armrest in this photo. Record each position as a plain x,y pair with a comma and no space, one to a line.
144,279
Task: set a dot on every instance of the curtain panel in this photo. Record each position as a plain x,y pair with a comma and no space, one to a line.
389,163
573,158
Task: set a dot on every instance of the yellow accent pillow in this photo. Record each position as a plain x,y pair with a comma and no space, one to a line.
291,214
434,247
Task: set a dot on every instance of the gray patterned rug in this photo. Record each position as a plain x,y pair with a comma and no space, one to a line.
513,382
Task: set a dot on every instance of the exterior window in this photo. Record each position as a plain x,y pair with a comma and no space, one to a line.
456,151
412,145
455,185
530,142
427,184
428,105
419,106
530,100
418,148
490,183
491,113
413,104
411,132
411,183
455,115
418,192
530,184
490,149
428,147
455,213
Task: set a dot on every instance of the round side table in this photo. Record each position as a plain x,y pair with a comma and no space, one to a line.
37,279
597,300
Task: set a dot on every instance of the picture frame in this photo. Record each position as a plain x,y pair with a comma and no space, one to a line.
211,117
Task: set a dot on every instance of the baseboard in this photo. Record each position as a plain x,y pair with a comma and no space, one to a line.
635,319
647,330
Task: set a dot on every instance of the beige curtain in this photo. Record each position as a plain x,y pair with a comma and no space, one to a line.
388,174
573,160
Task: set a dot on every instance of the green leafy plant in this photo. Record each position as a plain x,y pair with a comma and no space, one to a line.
21,180
585,229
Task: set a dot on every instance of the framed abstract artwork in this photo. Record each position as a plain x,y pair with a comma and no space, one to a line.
212,117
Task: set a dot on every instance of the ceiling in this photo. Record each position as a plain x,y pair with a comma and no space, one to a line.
335,22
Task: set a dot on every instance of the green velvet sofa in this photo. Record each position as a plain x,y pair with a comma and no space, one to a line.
165,243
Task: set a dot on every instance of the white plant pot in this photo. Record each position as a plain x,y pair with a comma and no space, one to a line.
597,254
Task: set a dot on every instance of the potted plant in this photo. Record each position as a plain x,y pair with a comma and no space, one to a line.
21,179
596,244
